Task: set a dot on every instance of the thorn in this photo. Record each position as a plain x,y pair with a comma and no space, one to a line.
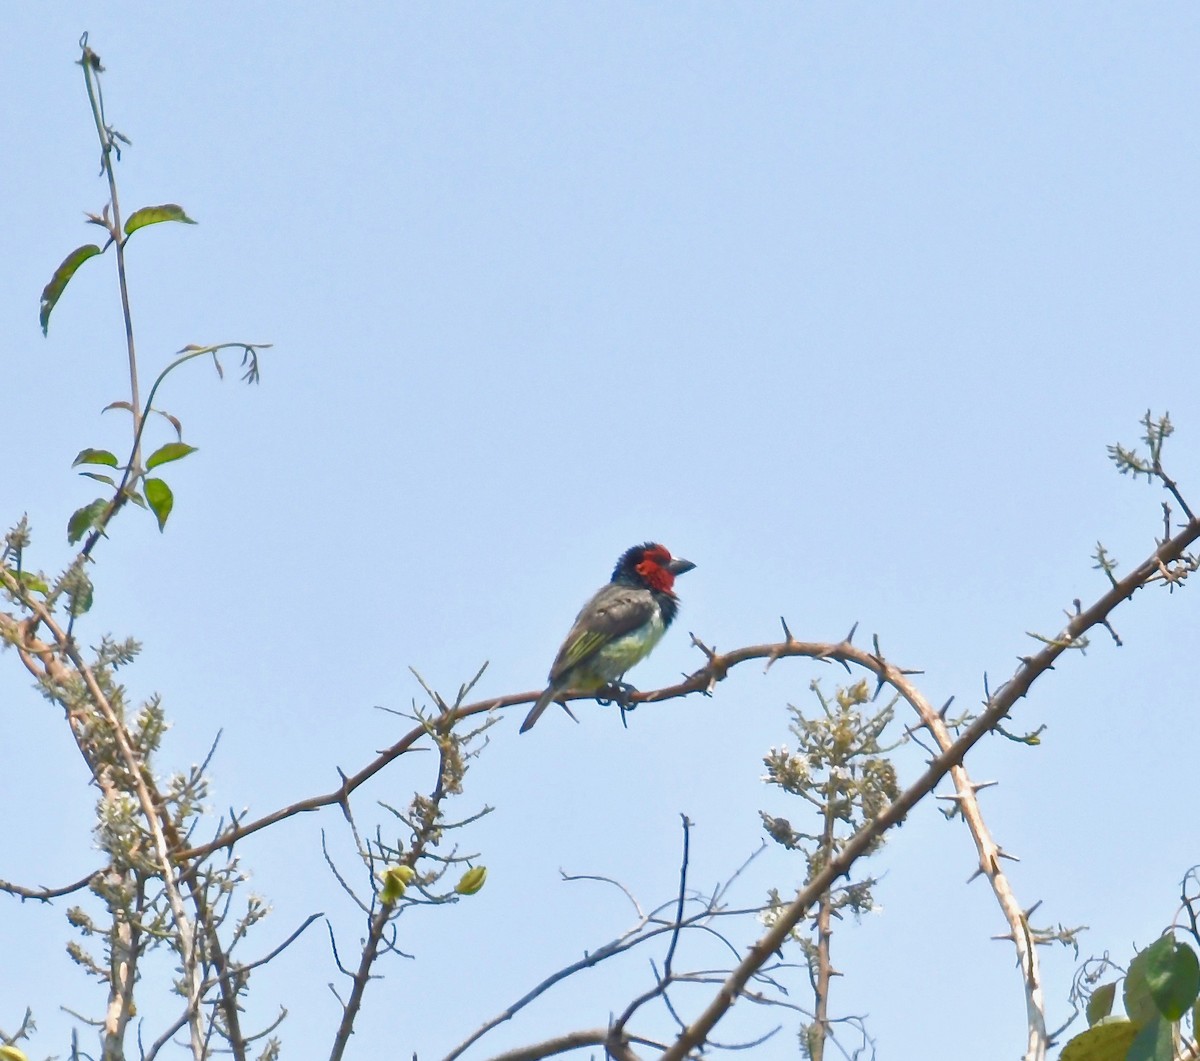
1029,913
912,732
1116,638
945,708
1001,853
787,634
849,638
1007,936
979,786
974,876
954,797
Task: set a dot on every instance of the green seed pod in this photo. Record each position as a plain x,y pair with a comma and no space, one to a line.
471,881
395,883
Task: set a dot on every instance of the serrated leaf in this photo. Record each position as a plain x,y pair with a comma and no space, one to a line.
1173,976
1155,1042
172,451
160,499
52,292
83,519
108,479
1100,1004
1107,1041
95,456
1139,1003
152,215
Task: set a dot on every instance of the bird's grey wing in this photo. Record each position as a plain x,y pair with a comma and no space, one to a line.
612,612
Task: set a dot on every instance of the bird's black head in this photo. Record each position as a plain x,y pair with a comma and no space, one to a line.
650,565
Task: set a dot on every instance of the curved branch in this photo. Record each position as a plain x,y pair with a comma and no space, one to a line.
46,894
558,1045
997,707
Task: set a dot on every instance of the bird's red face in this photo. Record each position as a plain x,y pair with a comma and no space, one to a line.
657,568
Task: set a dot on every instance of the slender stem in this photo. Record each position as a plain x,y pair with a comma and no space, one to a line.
820,1024
90,62
362,975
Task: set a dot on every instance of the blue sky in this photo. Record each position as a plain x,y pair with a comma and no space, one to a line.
841,302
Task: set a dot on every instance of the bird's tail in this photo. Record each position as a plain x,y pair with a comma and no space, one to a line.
543,702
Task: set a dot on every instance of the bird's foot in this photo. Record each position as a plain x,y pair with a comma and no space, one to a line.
618,693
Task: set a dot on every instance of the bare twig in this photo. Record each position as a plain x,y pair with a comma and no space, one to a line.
683,871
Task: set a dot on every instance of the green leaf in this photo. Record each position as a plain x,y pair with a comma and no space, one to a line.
83,519
107,479
1101,1003
1173,976
172,451
152,215
52,292
160,499
1139,1003
1107,1041
30,581
95,456
1155,1042
80,597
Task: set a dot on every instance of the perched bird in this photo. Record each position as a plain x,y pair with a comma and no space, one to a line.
618,627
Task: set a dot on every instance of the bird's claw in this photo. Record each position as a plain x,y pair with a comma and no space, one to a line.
618,693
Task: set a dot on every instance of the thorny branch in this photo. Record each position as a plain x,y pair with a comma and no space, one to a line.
996,708
45,894
1157,567
717,668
